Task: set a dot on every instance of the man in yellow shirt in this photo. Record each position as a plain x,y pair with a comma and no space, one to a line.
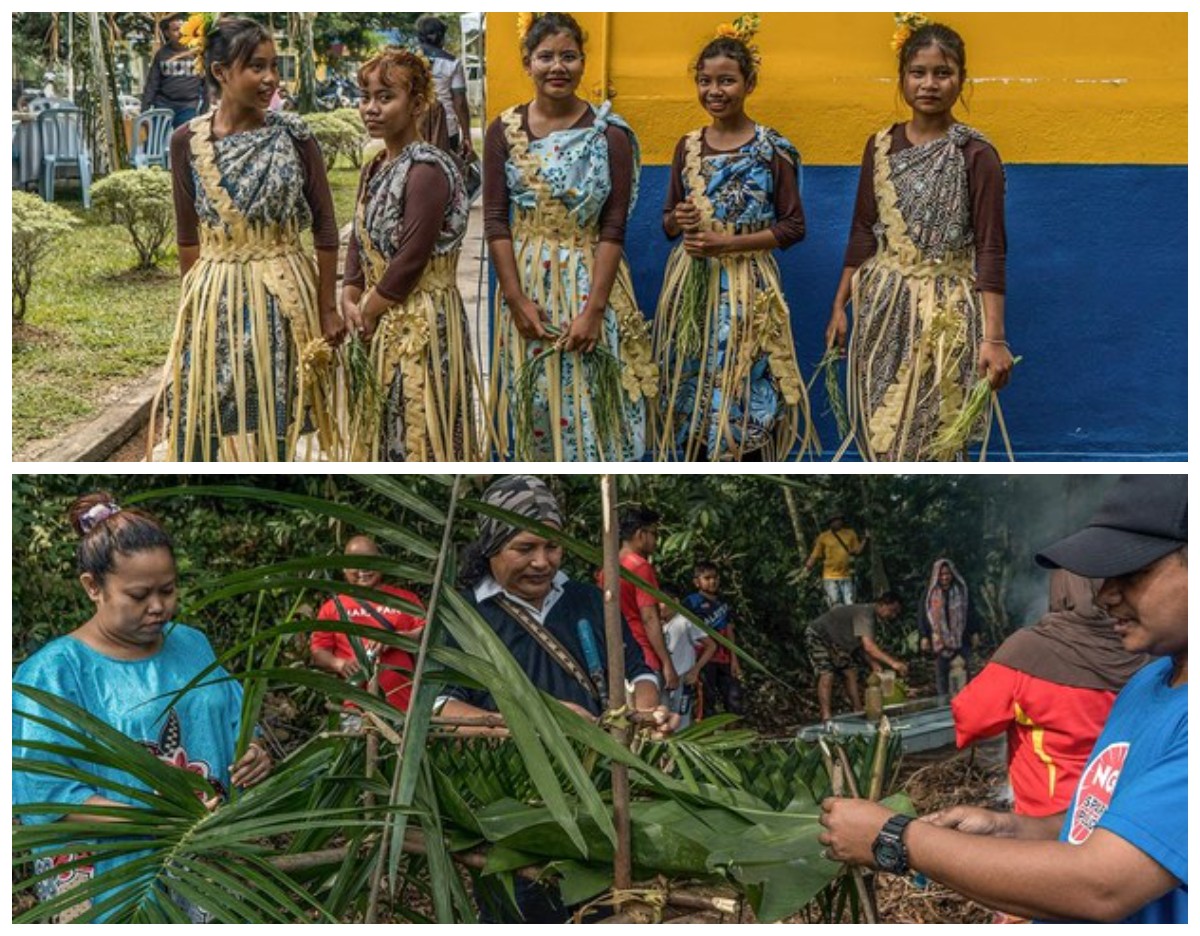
836,549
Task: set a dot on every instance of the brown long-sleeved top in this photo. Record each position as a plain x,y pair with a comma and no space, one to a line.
789,227
316,192
985,182
426,194
496,207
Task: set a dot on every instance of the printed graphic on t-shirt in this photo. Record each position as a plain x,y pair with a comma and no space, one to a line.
169,749
1096,790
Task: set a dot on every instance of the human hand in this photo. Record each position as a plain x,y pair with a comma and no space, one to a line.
528,319
995,363
333,326
735,668
670,677
349,301
578,710
691,677
836,330
851,826
584,332
926,646
348,667
900,667
254,767
972,820
666,723
687,216
700,244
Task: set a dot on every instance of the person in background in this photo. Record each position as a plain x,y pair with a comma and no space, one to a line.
333,652
639,539
836,548
843,639
1119,852
173,81
450,86
948,624
721,677
690,649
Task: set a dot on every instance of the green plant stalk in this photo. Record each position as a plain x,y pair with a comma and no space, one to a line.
955,437
829,371
693,309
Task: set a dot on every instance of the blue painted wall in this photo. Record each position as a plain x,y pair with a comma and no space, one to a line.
1097,301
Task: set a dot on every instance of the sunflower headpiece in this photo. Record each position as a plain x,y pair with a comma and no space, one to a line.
194,36
525,23
743,29
906,25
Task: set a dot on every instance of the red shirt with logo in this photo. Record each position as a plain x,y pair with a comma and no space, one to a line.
396,666
1051,731
633,599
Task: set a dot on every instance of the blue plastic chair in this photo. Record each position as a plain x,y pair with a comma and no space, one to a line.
63,147
152,139
39,104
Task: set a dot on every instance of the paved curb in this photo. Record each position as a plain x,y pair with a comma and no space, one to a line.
97,440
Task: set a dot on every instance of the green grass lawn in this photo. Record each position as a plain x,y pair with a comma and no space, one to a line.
92,325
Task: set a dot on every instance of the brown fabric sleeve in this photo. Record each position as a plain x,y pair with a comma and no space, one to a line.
675,192
985,180
615,213
862,245
353,274
183,185
426,195
789,210
496,216
318,195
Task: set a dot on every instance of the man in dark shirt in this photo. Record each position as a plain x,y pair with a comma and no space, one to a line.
173,82
843,638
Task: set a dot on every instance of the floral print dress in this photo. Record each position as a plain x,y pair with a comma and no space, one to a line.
248,371
554,405
730,383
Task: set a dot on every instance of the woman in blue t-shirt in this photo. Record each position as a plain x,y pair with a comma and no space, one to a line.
124,665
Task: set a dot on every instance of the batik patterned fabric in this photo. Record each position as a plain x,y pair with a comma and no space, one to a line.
917,318
421,351
730,384
197,732
559,406
248,371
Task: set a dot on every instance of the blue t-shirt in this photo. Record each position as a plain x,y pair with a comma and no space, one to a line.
198,733
1136,783
714,613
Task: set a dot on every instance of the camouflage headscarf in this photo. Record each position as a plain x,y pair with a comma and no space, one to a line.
519,494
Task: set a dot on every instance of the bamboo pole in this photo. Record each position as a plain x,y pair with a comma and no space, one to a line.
614,639
369,802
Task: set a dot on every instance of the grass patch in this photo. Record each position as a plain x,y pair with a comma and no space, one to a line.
93,324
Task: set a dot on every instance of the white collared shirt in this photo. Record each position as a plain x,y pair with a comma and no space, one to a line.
488,587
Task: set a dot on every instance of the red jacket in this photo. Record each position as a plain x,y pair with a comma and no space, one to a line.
395,678
1051,732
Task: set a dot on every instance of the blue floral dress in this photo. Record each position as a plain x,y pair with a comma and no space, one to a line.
553,405
730,384
248,371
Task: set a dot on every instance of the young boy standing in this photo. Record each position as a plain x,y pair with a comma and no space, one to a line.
722,677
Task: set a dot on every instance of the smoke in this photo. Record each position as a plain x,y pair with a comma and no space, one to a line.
1042,510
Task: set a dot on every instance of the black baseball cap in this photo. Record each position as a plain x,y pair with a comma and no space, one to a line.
1142,519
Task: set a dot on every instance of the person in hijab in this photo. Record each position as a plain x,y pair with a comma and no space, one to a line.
948,624
513,577
1050,688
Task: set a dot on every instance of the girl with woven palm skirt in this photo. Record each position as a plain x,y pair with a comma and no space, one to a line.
924,270
730,385
571,362
250,368
400,290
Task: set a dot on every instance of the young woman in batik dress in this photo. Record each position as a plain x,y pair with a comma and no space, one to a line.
571,368
924,269
250,366
730,385
400,291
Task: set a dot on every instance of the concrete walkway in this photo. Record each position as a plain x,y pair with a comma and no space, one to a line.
119,433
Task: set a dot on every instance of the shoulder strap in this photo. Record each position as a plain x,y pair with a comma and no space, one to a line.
548,642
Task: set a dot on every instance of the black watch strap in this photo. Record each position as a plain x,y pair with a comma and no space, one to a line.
890,853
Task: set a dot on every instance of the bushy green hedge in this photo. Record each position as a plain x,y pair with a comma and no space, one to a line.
140,201
338,134
36,226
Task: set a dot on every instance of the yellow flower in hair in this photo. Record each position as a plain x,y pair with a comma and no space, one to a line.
525,23
900,37
747,26
194,36
906,24
727,31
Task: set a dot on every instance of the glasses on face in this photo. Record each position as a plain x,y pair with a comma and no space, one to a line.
548,59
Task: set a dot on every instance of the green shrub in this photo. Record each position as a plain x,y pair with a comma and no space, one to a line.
336,136
139,200
353,119
36,225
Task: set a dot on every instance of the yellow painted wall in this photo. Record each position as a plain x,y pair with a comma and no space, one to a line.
1048,87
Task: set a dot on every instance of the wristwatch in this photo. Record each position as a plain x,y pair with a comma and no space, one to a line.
889,851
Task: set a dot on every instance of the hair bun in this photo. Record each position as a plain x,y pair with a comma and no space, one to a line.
90,510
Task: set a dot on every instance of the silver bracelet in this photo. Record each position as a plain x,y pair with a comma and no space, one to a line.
999,341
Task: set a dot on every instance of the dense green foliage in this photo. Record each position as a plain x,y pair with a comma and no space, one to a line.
36,227
139,200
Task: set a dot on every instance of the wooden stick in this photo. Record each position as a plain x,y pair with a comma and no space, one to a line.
614,638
